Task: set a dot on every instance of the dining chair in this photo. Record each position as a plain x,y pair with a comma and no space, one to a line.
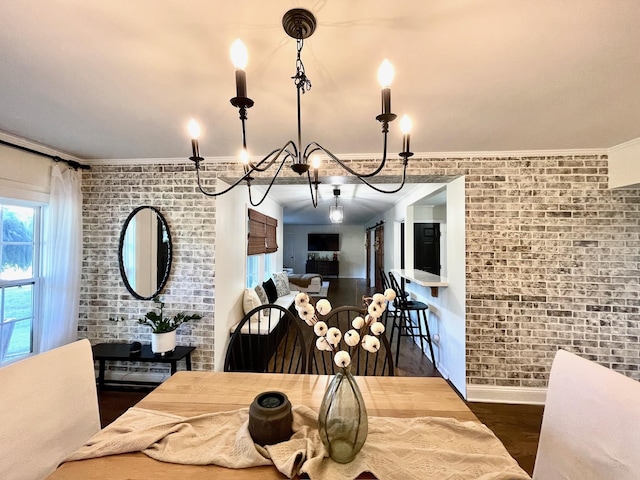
591,423
362,362
404,324
49,410
267,339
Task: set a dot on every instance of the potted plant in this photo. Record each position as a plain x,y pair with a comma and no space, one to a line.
163,329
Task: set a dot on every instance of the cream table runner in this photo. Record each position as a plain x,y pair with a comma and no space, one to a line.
407,448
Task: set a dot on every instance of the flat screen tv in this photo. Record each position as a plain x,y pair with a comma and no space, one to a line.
322,242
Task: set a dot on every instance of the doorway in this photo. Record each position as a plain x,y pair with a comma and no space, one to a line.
375,255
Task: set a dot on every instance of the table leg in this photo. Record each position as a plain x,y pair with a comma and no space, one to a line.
187,360
174,367
101,374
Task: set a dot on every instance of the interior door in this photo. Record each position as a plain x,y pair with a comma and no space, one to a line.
426,247
289,253
379,257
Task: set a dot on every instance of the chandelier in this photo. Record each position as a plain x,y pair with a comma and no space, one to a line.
299,23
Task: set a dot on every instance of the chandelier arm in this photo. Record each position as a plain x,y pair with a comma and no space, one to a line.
215,194
314,147
314,198
270,185
404,177
257,167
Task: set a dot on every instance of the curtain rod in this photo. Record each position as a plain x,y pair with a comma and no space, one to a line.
72,163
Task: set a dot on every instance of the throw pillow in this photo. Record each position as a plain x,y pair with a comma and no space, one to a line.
281,279
270,288
262,294
250,301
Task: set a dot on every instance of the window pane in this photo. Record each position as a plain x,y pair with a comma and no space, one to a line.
18,303
17,242
253,270
16,338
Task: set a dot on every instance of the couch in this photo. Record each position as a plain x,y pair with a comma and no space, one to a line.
308,282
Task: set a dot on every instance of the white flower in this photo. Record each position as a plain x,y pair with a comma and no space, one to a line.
370,343
357,323
307,313
302,299
320,328
323,306
377,328
390,294
352,338
375,311
342,359
322,345
380,300
334,336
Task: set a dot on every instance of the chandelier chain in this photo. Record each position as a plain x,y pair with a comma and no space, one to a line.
300,79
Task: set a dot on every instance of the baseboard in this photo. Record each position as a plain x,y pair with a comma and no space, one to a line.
496,394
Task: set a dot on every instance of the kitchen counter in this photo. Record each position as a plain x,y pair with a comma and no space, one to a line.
422,278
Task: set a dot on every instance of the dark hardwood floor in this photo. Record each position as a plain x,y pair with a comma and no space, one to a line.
517,426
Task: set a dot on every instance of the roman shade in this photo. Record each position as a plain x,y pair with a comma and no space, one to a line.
262,233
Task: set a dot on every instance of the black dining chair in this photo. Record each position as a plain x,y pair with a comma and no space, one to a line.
363,362
404,324
268,339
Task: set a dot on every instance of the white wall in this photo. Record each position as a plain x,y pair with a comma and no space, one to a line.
624,165
231,253
351,255
448,320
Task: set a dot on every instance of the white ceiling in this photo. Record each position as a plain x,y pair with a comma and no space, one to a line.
119,79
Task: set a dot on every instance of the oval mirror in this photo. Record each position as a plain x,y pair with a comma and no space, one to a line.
144,252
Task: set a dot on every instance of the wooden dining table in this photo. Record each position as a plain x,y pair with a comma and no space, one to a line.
194,393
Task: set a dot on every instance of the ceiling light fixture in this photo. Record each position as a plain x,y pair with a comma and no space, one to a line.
336,213
299,23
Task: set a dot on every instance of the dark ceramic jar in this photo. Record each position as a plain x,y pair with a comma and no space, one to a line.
270,418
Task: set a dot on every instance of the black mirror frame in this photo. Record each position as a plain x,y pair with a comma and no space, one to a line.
123,274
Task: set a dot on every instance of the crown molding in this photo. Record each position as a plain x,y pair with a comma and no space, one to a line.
366,156
38,147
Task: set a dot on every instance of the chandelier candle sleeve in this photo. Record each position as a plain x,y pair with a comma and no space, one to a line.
194,133
405,127
240,57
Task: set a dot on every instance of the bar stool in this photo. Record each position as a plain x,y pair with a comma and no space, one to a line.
403,323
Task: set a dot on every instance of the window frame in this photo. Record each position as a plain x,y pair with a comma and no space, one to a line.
35,280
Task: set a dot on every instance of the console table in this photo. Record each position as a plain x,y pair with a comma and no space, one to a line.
121,352
323,267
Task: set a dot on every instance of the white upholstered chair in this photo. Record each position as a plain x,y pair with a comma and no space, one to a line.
48,409
591,423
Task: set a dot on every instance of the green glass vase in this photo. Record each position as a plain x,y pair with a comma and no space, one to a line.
342,420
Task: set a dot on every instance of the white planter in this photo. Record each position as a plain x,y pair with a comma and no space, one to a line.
163,342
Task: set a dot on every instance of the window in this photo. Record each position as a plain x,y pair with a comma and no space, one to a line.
259,268
19,278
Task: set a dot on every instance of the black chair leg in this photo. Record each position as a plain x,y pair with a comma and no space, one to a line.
426,324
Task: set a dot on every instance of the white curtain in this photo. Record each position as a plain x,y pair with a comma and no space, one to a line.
62,260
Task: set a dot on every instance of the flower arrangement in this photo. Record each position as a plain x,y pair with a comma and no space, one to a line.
158,322
329,338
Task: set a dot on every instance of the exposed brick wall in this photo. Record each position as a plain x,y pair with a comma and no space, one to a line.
552,260
110,193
